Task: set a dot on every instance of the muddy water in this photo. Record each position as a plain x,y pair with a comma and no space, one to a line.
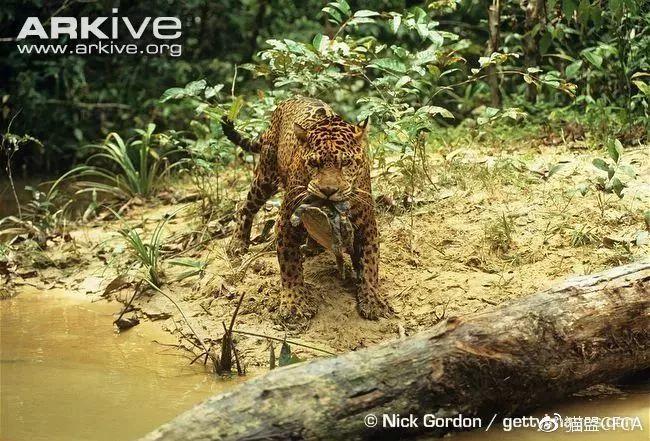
66,376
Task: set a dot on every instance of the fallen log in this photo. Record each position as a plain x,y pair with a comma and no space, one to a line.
510,359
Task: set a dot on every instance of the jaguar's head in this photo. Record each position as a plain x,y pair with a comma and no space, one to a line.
334,157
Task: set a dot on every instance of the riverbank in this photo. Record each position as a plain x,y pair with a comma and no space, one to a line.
495,223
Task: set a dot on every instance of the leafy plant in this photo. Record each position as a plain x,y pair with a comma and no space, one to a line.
614,169
194,267
147,253
10,143
130,168
498,234
583,235
43,217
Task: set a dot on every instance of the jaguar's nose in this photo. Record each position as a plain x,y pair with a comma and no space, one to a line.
329,191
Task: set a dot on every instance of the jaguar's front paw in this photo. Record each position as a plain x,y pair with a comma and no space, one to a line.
371,305
236,248
295,306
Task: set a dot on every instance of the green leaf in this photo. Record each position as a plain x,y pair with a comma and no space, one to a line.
402,81
617,187
642,86
389,64
568,8
601,164
628,171
584,12
554,170
593,58
545,42
397,21
435,110
366,13
572,69
195,87
172,94
190,90
334,13
286,357
320,43
212,91
342,6
615,150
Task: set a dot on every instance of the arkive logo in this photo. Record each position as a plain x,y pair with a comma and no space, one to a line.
114,35
163,28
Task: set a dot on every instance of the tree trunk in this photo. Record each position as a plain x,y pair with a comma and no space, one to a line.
494,14
510,359
535,21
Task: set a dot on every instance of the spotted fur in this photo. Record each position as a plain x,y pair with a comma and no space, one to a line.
309,150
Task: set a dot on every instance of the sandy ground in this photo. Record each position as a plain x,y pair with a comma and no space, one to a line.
485,225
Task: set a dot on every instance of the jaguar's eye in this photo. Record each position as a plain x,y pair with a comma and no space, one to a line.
312,162
346,162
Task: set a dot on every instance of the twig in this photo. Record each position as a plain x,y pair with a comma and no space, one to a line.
253,334
240,370
232,87
136,291
8,167
234,315
226,351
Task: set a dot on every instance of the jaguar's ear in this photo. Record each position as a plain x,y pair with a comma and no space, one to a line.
300,132
362,128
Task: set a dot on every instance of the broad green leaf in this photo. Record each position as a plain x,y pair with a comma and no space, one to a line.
491,111
389,64
614,150
195,87
554,170
397,20
618,187
286,357
342,6
642,86
601,164
593,58
436,110
321,42
402,81
628,170
572,69
212,91
360,20
172,94
334,13
366,13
